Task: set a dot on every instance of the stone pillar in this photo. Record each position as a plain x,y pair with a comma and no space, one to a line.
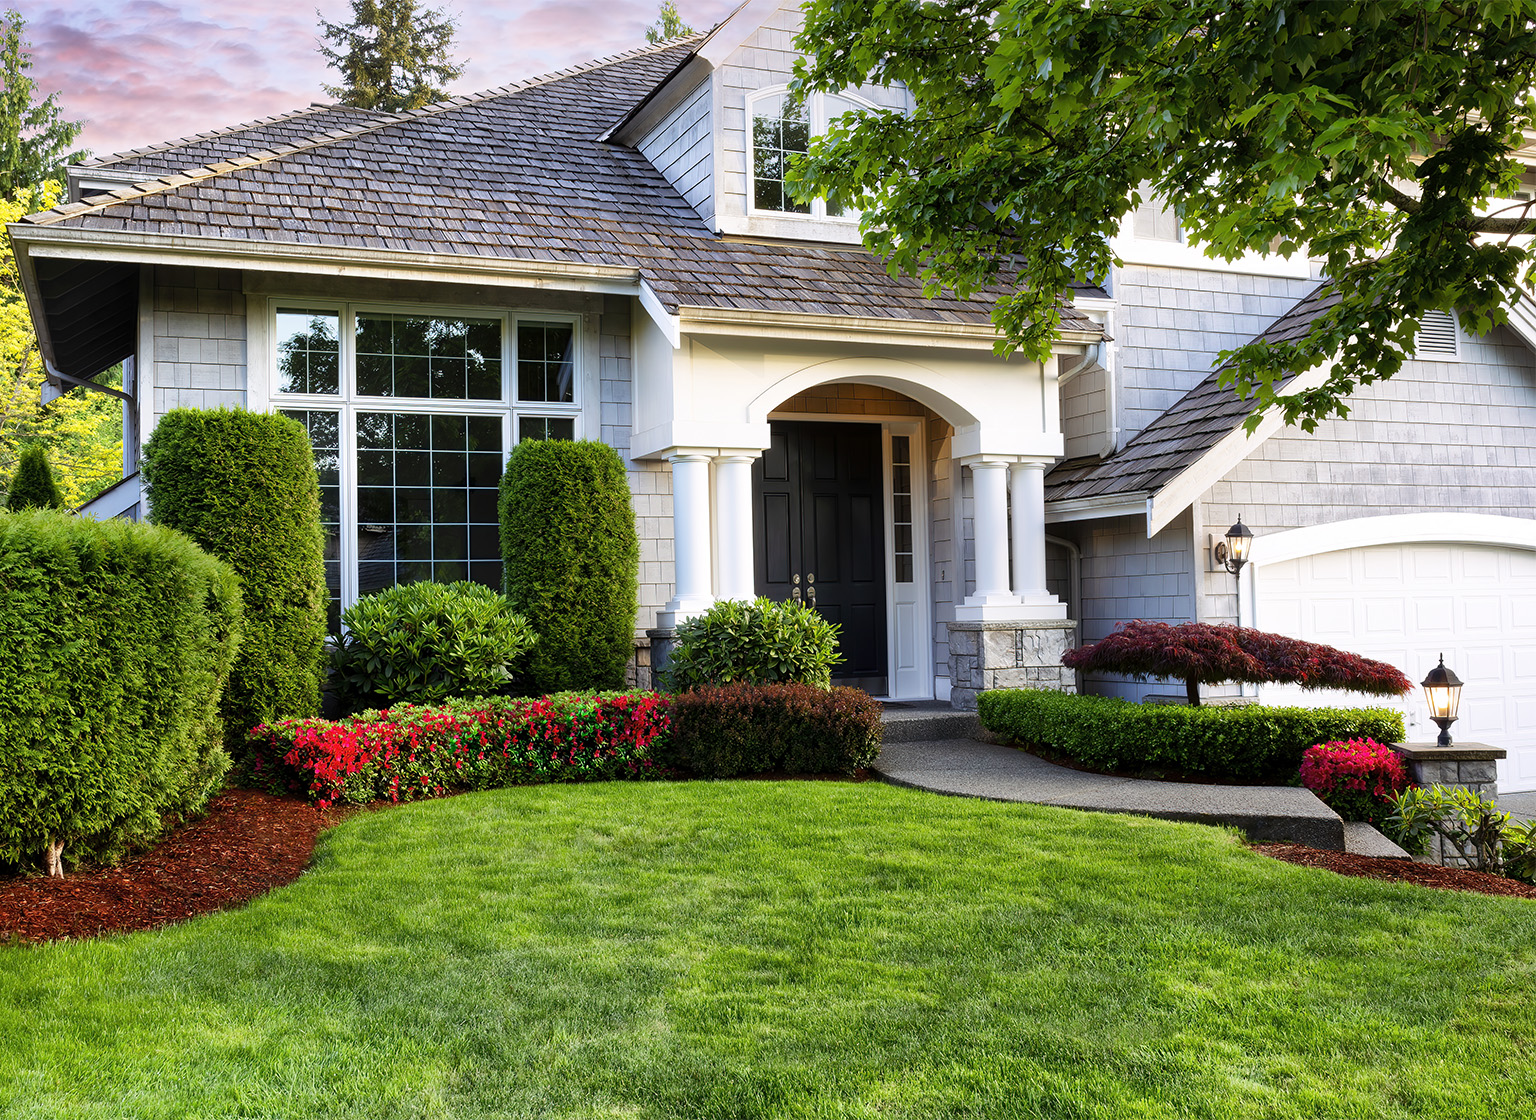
1017,654
733,524
1027,495
691,592
1472,766
990,491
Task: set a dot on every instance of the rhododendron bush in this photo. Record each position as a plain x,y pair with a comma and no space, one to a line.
1357,779
1198,653
407,752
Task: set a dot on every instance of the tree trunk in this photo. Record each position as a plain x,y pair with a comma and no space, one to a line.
1192,691
53,858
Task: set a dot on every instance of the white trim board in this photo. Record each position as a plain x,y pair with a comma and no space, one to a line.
1398,528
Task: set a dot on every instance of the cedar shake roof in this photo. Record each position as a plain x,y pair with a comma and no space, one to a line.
515,173
1179,437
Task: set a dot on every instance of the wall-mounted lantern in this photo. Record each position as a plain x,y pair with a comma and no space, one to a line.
1232,551
1442,692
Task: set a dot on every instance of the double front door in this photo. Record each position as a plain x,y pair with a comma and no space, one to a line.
820,535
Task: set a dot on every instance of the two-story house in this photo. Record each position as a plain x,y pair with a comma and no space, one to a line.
608,252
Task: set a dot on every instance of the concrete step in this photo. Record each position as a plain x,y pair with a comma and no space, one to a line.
1362,839
913,723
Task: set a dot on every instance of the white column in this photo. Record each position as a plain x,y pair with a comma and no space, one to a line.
989,484
1028,498
733,525
690,535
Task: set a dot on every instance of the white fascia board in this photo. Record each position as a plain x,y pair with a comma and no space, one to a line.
667,322
673,93
1194,480
328,260
1135,504
1176,254
34,296
842,328
1522,318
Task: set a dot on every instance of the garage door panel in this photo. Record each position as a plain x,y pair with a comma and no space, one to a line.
1406,604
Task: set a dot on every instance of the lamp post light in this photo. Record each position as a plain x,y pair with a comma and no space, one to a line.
1442,692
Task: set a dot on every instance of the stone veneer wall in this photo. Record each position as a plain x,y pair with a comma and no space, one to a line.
988,655
1472,766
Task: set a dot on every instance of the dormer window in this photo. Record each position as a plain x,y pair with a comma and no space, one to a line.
781,130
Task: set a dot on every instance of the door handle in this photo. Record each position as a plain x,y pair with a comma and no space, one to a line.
810,588
795,592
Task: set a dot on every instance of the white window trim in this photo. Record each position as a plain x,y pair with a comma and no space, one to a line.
816,110
262,394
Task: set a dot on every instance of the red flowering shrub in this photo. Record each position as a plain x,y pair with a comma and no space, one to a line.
406,752
1198,653
1357,779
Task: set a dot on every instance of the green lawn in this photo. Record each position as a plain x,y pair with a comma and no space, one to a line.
745,949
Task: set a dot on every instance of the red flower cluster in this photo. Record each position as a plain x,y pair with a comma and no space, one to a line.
407,752
1356,778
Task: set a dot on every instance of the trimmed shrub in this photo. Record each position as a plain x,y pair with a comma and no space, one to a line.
1198,653
1249,744
118,639
405,752
1357,778
761,642
571,560
33,486
425,642
788,728
242,485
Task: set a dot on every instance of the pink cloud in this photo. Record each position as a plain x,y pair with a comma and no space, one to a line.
150,70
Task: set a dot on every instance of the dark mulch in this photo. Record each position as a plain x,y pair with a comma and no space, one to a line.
1399,870
247,844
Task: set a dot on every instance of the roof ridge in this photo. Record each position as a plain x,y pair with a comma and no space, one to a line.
161,183
215,133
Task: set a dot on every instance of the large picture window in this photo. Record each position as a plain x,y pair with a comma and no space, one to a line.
411,414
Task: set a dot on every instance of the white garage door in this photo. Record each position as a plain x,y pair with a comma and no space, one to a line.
1408,603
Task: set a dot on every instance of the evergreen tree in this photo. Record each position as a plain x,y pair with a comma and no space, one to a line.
34,139
393,56
34,487
668,25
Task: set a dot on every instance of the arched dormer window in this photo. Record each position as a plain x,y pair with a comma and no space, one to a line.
782,130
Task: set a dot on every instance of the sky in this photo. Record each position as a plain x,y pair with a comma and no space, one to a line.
139,72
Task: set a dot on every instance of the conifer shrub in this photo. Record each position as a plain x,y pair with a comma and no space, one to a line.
242,485
424,642
761,642
118,639
33,486
571,561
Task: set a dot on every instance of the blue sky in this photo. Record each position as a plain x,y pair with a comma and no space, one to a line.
141,71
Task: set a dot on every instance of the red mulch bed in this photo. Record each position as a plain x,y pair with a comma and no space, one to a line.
1399,870
247,844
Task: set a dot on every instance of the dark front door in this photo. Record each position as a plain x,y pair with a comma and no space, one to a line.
819,537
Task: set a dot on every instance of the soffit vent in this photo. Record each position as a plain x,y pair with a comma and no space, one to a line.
1437,335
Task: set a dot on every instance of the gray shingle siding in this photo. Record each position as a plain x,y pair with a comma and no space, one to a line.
682,149
199,338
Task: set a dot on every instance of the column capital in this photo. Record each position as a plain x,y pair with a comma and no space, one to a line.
986,461
688,454
737,455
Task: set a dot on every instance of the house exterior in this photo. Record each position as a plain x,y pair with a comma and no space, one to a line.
608,252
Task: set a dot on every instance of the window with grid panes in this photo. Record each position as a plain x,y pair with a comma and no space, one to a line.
781,130
411,494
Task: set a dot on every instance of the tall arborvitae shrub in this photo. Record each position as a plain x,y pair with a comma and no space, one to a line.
33,486
118,639
571,560
242,485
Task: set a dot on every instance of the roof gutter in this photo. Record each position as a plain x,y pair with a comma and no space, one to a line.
795,324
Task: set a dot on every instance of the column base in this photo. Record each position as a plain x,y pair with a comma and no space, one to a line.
1015,653
681,610
1030,608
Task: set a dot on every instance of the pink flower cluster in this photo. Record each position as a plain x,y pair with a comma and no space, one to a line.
407,752
1353,766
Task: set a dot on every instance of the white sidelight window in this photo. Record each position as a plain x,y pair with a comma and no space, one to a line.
781,130
411,413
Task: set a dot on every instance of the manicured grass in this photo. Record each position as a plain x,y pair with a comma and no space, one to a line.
746,949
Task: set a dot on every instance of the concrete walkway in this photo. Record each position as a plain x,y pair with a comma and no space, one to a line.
966,768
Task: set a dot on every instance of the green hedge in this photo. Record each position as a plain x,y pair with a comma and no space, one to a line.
242,485
1249,743
118,639
572,561
787,728
761,642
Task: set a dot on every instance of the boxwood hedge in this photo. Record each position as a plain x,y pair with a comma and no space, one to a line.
242,485
571,561
118,641
1250,743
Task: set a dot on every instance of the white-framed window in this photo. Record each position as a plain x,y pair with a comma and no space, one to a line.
411,411
780,129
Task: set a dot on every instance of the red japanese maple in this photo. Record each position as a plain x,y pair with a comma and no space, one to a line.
1198,653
